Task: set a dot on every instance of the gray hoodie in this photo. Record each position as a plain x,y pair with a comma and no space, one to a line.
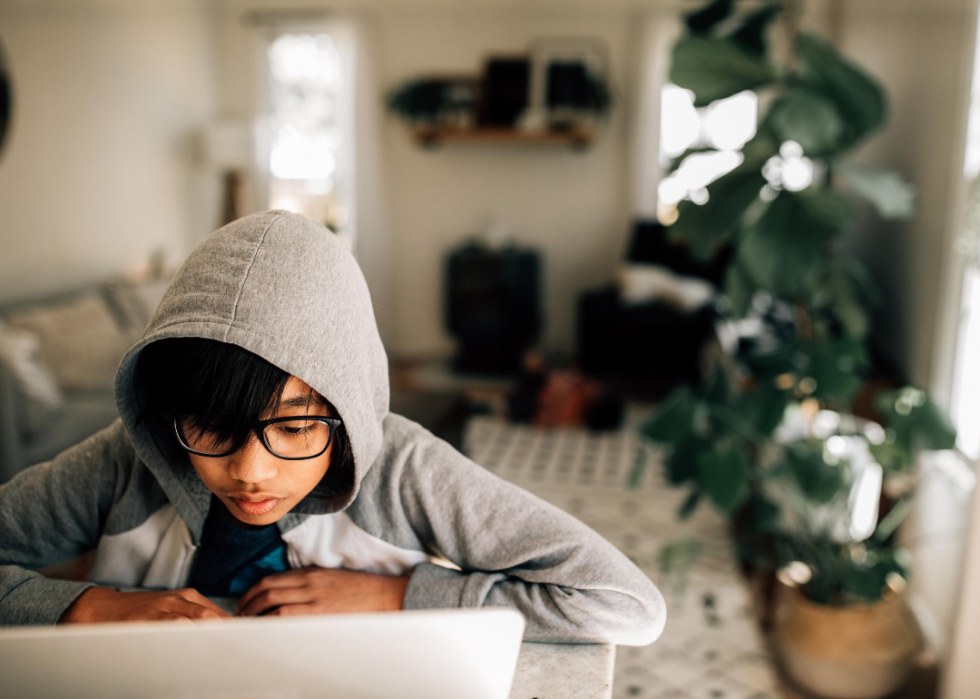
286,289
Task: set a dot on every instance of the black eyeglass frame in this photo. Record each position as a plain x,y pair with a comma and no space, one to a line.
259,429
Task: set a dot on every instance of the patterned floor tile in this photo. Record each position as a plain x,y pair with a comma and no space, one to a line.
711,647
720,687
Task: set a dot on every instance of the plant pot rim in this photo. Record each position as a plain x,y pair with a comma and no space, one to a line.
889,598
851,634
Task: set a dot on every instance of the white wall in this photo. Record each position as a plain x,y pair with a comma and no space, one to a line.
922,52
963,674
570,206
100,167
573,207
98,170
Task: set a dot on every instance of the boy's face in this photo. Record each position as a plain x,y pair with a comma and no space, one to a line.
256,486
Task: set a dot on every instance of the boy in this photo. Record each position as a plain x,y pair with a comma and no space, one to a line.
255,456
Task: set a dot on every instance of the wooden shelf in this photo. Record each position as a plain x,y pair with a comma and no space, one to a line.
573,138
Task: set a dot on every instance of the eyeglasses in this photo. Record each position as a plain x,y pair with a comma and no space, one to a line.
293,438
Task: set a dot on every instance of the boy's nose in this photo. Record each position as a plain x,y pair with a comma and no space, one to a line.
252,463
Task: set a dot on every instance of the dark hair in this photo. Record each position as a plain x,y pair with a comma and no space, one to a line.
225,389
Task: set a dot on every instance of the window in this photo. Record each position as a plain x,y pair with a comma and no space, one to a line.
965,390
310,126
723,126
965,408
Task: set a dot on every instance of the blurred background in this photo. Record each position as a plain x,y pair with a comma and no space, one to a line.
705,274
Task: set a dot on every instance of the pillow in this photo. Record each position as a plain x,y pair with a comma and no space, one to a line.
646,283
79,340
134,302
39,398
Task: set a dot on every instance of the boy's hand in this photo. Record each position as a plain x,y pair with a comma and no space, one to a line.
99,604
317,590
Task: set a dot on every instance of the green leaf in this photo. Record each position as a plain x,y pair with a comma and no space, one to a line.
739,289
763,514
751,36
703,20
830,211
866,580
817,480
706,227
770,363
888,524
838,367
718,387
853,314
723,474
935,427
680,466
676,558
764,406
810,119
915,421
689,505
845,292
760,148
716,68
863,582
785,247
639,467
674,420
892,196
861,278
422,100
893,456
859,97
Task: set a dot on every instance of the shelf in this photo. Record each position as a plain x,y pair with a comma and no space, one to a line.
578,138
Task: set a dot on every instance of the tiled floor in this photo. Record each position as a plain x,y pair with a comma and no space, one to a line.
711,648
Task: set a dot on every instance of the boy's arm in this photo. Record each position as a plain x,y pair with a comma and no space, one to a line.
51,513
514,550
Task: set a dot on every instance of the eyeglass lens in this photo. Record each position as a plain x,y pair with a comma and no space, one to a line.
290,439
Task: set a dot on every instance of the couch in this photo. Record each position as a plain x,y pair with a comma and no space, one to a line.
58,356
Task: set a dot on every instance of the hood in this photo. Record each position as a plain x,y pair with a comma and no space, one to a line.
288,290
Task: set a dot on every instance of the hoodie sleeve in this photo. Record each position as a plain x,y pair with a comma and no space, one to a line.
51,513
514,550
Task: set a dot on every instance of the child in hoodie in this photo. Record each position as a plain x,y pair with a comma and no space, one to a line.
255,456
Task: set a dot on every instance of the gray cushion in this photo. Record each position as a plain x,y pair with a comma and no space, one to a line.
134,302
38,396
84,414
80,340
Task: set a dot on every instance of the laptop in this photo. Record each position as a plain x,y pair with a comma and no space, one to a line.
433,654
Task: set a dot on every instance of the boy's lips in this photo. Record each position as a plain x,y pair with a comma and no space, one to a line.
253,497
255,505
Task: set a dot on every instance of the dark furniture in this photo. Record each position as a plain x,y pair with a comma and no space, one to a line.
492,307
646,348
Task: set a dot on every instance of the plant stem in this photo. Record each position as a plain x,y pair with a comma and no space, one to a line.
750,432
890,522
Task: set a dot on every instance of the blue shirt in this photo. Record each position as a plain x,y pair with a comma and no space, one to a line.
233,555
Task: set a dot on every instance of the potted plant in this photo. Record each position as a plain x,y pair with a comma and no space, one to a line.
819,503
841,626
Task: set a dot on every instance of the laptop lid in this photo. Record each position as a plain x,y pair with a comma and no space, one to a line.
444,654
